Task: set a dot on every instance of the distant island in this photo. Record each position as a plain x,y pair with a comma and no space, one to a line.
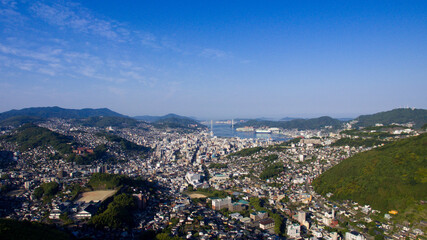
302,124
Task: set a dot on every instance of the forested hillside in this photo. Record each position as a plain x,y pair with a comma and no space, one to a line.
301,124
32,136
400,115
391,177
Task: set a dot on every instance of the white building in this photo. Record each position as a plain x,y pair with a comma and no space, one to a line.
218,204
193,179
83,214
294,231
332,236
353,235
54,214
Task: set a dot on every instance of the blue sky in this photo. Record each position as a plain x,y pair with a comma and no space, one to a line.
215,59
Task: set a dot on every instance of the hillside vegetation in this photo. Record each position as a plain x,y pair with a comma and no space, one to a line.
301,124
357,142
6,159
17,121
125,144
32,136
400,115
246,152
177,122
272,171
102,181
13,229
46,190
151,119
99,153
109,121
391,177
118,213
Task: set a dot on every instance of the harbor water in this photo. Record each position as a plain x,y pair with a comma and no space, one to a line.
225,130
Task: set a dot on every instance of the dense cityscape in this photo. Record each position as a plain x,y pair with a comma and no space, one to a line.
188,183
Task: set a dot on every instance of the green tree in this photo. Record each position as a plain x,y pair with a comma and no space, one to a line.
118,214
46,190
38,193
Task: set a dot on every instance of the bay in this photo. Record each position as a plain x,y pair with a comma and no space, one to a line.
225,130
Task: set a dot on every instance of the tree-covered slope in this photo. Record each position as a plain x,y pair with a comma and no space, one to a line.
302,124
6,159
147,118
106,181
176,121
124,144
400,115
57,112
109,121
12,229
32,136
16,121
391,177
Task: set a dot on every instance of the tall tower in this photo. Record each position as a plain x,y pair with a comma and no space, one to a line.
212,134
232,123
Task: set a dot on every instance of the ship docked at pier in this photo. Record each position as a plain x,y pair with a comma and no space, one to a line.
245,129
263,131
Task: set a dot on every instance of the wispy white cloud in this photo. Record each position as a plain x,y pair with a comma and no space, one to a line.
9,14
132,74
9,3
117,91
140,78
68,15
74,16
51,61
152,41
44,54
171,45
148,39
213,53
26,66
47,71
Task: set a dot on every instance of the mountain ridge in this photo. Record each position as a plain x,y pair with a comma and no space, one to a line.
58,112
302,124
176,121
398,115
149,118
